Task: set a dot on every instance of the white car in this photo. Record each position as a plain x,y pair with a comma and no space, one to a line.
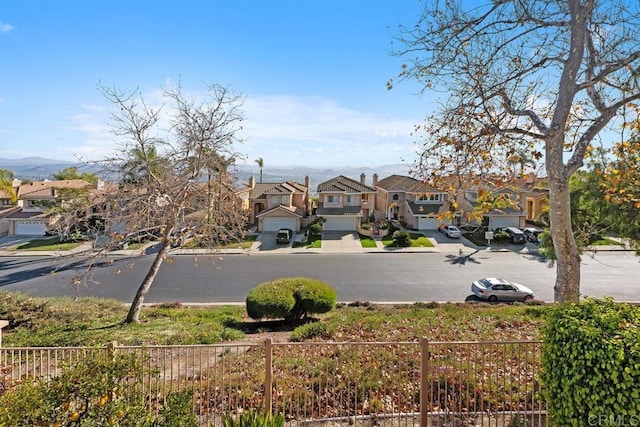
451,231
495,289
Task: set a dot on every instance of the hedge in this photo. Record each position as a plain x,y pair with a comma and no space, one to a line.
591,363
292,299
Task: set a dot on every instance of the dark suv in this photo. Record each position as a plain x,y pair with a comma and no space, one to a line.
515,234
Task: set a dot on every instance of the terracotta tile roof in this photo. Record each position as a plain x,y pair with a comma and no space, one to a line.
420,209
344,211
287,187
289,210
406,184
26,214
45,188
344,184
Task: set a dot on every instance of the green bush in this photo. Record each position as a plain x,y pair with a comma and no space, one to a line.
93,391
253,419
292,299
591,362
402,238
311,330
501,236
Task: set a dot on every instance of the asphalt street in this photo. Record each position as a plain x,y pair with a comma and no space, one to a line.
374,277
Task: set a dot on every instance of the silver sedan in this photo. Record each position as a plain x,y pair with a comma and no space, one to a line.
495,289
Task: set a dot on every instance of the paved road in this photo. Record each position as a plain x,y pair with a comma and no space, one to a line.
383,277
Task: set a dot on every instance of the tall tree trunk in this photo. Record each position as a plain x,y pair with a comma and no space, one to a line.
136,305
567,286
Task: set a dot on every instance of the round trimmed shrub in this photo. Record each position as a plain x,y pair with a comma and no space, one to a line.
292,299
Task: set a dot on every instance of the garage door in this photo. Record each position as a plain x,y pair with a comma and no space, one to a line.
339,224
275,224
428,223
499,222
30,228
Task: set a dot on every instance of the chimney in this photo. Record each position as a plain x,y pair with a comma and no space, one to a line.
306,181
362,178
375,179
252,182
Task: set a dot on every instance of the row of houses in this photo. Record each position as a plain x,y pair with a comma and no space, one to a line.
346,203
343,202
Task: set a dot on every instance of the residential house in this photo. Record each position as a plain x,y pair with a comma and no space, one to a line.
535,194
506,212
413,202
33,200
6,201
345,203
278,204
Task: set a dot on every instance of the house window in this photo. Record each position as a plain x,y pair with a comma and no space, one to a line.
330,199
395,197
434,197
274,199
348,199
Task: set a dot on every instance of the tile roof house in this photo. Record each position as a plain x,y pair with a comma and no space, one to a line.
345,203
412,202
512,215
278,204
30,219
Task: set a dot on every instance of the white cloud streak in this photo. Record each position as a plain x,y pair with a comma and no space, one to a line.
5,28
287,130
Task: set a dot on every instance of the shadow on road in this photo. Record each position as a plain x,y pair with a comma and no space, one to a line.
462,258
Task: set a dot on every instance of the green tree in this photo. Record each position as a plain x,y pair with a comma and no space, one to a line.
621,186
6,184
72,173
541,76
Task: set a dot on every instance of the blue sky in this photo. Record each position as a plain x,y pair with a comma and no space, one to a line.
313,74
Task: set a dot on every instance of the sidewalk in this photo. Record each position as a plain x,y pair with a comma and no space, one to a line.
338,243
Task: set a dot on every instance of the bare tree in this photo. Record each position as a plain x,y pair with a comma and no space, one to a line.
541,76
173,182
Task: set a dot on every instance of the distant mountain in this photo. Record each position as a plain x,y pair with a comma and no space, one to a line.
35,168
38,169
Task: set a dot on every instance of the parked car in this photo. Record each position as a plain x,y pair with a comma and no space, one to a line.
495,289
284,235
450,231
515,234
532,234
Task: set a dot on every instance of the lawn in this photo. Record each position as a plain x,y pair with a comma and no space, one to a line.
314,241
418,240
604,241
93,321
366,241
245,243
51,244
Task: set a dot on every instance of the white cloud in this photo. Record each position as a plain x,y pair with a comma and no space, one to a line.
314,131
5,28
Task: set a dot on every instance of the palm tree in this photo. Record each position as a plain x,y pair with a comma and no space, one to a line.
6,184
260,163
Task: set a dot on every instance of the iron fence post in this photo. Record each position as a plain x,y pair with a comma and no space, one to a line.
424,374
268,379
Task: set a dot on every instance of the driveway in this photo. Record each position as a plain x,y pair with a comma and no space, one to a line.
7,242
340,242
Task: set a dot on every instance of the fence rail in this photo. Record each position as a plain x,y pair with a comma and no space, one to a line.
383,383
